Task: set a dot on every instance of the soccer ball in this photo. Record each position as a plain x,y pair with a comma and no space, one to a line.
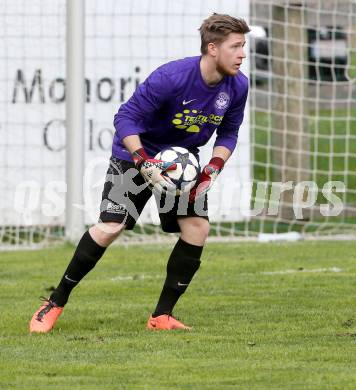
186,174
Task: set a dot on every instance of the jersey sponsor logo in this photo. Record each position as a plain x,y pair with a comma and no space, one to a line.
192,120
222,101
185,102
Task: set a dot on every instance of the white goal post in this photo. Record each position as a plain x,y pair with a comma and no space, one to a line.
75,118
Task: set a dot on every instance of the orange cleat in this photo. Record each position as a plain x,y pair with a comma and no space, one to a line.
165,322
45,317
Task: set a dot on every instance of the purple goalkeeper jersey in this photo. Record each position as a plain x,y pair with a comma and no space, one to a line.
175,107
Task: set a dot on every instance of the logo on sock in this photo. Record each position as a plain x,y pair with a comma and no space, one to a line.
70,280
183,284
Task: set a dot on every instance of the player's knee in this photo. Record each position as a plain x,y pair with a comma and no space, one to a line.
105,233
203,226
113,228
198,228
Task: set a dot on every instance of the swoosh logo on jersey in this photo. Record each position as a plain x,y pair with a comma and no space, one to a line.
188,101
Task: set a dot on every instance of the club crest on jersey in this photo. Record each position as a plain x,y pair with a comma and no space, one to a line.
222,101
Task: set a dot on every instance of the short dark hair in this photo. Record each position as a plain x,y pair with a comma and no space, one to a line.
217,27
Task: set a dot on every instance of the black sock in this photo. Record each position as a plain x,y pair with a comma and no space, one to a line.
181,267
85,257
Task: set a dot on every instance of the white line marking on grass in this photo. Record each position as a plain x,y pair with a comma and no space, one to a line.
134,277
294,271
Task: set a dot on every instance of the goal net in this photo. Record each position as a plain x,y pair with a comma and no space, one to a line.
293,169
303,117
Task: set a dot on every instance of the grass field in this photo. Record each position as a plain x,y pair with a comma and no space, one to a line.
256,324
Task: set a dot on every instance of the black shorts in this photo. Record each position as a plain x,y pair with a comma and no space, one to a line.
126,193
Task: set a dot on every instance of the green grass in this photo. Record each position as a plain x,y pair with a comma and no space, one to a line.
352,67
251,330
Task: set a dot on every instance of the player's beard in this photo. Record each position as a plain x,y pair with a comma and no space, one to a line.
225,70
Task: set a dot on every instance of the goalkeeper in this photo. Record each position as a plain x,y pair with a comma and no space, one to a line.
182,103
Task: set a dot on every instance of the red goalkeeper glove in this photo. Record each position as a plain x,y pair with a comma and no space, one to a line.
152,169
207,178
